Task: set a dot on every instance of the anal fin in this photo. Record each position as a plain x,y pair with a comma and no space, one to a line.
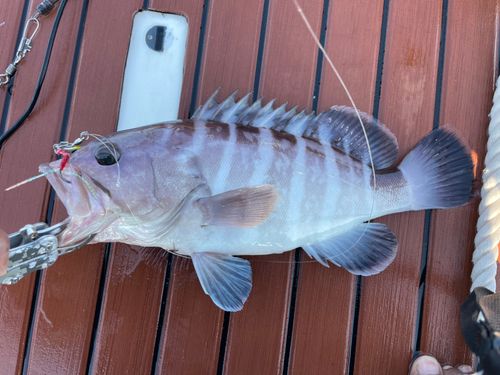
365,250
226,279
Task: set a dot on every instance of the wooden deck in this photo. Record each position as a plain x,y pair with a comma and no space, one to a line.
120,310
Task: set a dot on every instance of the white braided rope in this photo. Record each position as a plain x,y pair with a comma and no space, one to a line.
488,225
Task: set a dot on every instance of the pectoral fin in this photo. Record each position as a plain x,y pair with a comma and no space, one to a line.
240,208
226,279
365,250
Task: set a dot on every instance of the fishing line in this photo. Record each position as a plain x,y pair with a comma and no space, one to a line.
115,154
304,18
91,189
41,77
32,179
299,9
113,151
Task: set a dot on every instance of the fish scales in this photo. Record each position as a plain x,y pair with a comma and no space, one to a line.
299,176
265,182
297,166
242,171
313,201
269,159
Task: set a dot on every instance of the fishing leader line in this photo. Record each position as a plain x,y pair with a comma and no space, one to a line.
115,154
24,47
311,31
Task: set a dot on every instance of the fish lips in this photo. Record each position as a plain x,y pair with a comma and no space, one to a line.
76,191
85,202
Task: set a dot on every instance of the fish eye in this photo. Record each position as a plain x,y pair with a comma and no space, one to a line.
105,156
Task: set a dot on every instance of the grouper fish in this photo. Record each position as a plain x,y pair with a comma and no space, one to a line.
240,179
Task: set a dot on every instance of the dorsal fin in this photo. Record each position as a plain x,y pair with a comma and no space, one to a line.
338,126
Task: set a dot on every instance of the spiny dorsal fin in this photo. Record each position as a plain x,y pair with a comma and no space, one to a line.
338,126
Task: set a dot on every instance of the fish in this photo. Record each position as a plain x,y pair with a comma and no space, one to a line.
245,179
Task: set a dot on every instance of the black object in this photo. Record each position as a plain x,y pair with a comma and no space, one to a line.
46,6
480,325
155,38
41,77
105,156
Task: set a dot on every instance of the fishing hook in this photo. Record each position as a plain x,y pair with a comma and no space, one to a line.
62,178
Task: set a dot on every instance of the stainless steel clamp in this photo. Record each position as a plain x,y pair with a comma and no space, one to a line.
35,247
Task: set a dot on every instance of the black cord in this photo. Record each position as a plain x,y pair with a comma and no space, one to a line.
41,78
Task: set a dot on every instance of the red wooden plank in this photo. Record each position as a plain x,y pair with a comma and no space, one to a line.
15,303
386,330
231,49
290,56
193,324
468,83
67,301
10,18
130,309
288,73
352,42
326,296
192,327
127,328
257,334
192,11
153,284
134,338
14,300
28,204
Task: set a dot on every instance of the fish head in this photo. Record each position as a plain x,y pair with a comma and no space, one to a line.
106,179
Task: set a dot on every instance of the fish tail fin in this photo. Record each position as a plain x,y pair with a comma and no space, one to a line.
440,170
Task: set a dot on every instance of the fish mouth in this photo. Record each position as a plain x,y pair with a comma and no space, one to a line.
86,203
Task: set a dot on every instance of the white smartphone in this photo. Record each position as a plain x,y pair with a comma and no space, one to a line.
154,70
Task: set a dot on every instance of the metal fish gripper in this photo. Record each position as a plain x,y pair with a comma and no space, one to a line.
35,247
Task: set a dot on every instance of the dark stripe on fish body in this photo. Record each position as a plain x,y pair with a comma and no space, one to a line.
147,129
391,180
182,132
280,137
350,170
186,128
247,135
344,170
218,130
209,150
284,143
244,154
316,185
248,129
313,140
311,150
282,168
